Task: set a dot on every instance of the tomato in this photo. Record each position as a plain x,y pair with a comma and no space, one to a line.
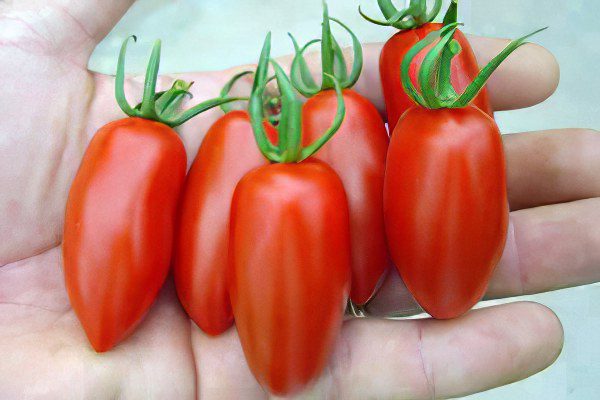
464,70
121,210
289,254
119,224
445,201
357,154
445,206
227,153
290,270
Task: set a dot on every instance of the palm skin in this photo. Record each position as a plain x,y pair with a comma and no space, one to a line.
51,106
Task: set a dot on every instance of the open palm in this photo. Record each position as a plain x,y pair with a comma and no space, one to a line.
51,106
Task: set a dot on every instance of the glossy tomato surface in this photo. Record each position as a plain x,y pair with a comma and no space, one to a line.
290,270
227,153
119,226
464,70
357,153
445,205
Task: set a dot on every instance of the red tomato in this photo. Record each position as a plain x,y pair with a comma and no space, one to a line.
227,153
445,205
119,225
357,154
464,70
290,270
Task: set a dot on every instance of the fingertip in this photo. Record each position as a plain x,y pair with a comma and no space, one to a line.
543,70
551,332
528,76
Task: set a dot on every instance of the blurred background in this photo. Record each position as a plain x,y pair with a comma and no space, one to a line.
211,35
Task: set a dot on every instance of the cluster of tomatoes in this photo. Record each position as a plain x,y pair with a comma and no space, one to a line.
277,224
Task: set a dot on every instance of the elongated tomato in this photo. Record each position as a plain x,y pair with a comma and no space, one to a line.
227,153
357,153
119,225
290,270
464,70
445,205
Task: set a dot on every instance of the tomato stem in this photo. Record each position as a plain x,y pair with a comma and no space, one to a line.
333,63
411,17
434,76
289,147
163,106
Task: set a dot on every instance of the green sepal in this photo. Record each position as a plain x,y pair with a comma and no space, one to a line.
168,103
255,105
411,17
302,66
163,106
290,121
333,128
300,73
436,90
484,75
333,63
451,16
340,70
289,147
227,88
358,58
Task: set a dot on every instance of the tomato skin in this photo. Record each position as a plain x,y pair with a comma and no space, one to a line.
445,206
357,154
464,70
119,225
290,270
227,153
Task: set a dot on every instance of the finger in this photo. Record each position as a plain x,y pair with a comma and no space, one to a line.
527,77
416,359
425,359
552,167
548,248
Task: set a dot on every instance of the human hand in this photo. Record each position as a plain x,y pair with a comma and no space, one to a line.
52,106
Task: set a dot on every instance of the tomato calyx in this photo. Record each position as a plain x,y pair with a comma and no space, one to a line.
411,17
163,107
289,148
333,63
434,75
